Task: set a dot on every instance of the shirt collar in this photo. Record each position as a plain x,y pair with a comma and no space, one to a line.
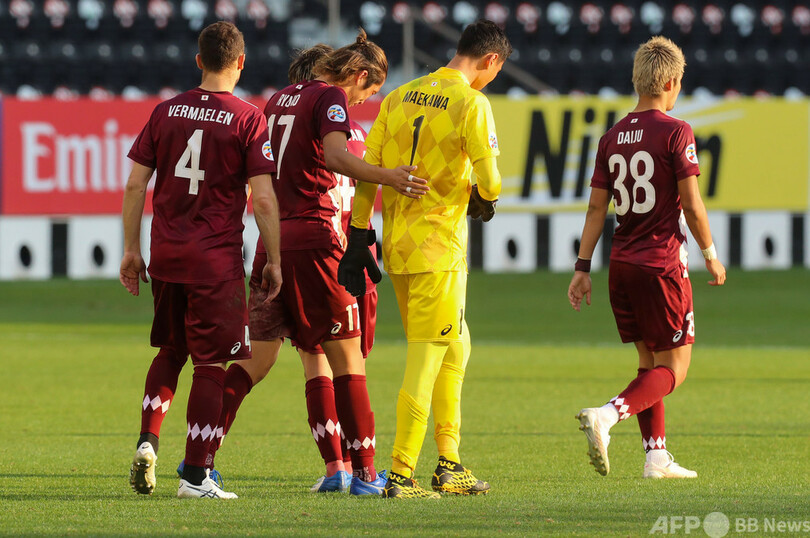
446,72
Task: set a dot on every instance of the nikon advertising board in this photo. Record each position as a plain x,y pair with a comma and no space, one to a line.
753,153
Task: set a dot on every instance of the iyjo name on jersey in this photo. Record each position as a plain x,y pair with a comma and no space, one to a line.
426,99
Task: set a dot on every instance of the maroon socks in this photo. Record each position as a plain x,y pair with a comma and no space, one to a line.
651,424
644,391
161,382
203,413
357,421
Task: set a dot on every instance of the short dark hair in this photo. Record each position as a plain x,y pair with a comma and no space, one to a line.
303,64
220,44
481,38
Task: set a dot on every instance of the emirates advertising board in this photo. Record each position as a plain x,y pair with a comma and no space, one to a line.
63,158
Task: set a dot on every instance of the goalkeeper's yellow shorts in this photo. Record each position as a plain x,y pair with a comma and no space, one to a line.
432,305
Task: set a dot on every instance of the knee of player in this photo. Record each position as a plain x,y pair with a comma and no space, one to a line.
680,375
170,355
259,366
678,372
263,368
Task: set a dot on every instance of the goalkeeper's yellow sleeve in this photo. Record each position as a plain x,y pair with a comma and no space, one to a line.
363,207
488,178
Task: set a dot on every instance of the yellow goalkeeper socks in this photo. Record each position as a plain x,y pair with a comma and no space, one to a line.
413,404
447,399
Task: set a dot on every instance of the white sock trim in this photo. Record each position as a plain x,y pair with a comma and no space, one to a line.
609,414
658,456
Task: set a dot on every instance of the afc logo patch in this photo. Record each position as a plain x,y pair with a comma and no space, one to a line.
691,154
336,114
267,151
493,141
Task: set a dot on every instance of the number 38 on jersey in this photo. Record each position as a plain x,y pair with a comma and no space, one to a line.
641,198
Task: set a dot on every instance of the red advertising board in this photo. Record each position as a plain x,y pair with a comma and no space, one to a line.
69,157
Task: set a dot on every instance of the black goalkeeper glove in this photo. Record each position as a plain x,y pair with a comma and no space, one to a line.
480,208
356,258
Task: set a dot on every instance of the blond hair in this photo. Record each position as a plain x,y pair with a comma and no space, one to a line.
657,61
345,62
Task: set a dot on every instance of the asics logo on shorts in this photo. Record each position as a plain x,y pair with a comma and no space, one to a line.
336,328
236,347
677,336
446,330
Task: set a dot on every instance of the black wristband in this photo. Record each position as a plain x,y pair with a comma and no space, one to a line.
583,265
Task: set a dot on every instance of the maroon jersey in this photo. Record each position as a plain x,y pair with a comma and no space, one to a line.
204,145
346,185
299,116
640,160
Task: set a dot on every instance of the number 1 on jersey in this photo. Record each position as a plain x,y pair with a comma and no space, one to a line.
191,156
417,126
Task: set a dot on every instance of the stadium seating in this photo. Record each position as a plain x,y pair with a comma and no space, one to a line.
742,47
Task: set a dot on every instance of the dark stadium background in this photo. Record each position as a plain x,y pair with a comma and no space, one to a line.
63,47
79,77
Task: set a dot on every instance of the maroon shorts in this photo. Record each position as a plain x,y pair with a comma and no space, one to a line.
268,321
314,305
367,304
367,310
207,321
655,309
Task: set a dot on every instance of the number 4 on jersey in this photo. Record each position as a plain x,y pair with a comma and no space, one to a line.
188,167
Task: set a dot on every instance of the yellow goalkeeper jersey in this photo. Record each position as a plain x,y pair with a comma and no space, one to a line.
457,129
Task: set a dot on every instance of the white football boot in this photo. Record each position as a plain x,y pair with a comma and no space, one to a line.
596,428
142,472
670,470
207,490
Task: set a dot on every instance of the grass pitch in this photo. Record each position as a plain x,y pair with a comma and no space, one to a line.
75,354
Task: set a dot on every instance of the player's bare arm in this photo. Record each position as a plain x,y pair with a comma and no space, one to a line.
594,222
132,264
265,210
698,221
339,160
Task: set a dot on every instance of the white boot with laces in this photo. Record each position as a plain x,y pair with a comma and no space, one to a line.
661,464
207,490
